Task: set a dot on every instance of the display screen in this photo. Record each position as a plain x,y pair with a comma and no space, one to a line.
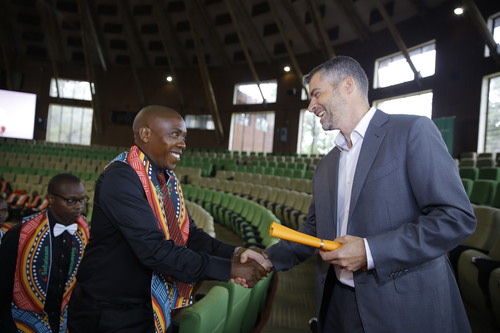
17,114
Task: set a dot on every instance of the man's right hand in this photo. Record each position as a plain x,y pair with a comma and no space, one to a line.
250,271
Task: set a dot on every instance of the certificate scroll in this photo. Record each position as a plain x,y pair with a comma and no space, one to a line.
280,231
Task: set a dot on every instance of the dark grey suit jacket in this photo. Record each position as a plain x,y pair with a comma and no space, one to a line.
409,203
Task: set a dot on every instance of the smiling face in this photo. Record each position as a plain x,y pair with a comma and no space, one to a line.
161,134
326,101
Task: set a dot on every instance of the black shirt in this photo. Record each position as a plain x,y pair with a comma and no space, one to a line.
61,252
126,245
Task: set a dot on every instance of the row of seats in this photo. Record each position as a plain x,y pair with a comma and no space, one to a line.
475,173
478,267
203,219
33,182
244,217
296,184
290,206
227,308
480,160
483,191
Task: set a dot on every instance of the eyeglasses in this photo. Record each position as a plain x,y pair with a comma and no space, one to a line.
71,201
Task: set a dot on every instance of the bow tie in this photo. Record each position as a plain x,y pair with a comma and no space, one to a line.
60,228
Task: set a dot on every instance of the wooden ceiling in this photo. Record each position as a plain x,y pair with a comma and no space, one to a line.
173,34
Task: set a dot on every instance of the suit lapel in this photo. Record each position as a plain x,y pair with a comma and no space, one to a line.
371,143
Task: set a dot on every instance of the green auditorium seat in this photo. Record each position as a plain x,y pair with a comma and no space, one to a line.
492,173
256,305
203,316
467,183
469,172
483,191
239,298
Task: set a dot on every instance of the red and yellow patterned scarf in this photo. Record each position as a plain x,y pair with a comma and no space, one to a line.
31,281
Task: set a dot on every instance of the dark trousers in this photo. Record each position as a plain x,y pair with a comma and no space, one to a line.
87,316
339,312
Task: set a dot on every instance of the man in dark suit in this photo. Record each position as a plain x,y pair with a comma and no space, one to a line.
390,193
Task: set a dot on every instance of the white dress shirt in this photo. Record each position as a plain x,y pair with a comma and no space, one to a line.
347,167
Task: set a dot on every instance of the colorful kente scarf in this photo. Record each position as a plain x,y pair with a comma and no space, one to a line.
164,291
34,262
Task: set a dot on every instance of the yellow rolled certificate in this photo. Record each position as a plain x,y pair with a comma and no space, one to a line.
280,231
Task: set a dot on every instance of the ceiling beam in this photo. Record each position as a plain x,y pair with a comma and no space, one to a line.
244,46
356,22
53,38
205,75
398,40
299,25
159,16
92,21
481,25
97,122
168,32
240,7
133,34
286,42
212,34
320,28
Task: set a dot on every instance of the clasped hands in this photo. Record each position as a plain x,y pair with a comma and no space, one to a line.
249,266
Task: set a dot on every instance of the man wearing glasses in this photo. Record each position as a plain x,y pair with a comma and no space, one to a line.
39,258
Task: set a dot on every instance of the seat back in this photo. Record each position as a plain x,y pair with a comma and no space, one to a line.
239,298
203,316
483,191
487,229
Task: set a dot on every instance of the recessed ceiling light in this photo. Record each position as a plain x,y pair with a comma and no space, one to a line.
458,11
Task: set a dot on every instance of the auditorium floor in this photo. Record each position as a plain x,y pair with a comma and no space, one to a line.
294,301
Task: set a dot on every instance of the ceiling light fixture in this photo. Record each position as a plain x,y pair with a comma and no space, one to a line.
286,68
458,11
169,78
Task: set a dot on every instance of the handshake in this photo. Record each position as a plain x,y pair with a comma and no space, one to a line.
249,266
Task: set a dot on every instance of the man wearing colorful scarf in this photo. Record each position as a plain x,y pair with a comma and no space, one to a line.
39,258
145,251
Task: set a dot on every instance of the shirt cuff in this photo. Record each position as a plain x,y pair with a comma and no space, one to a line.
369,259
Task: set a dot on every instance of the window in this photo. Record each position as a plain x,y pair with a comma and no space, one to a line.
252,132
489,119
312,138
202,121
395,69
248,93
418,104
69,124
71,89
494,27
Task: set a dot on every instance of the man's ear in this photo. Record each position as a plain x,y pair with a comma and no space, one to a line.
144,134
348,84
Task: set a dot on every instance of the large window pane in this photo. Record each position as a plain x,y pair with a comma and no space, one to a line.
252,132
70,89
492,128
69,124
418,104
199,121
248,93
494,27
395,69
312,138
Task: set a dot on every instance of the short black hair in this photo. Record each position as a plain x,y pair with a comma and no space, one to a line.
61,178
